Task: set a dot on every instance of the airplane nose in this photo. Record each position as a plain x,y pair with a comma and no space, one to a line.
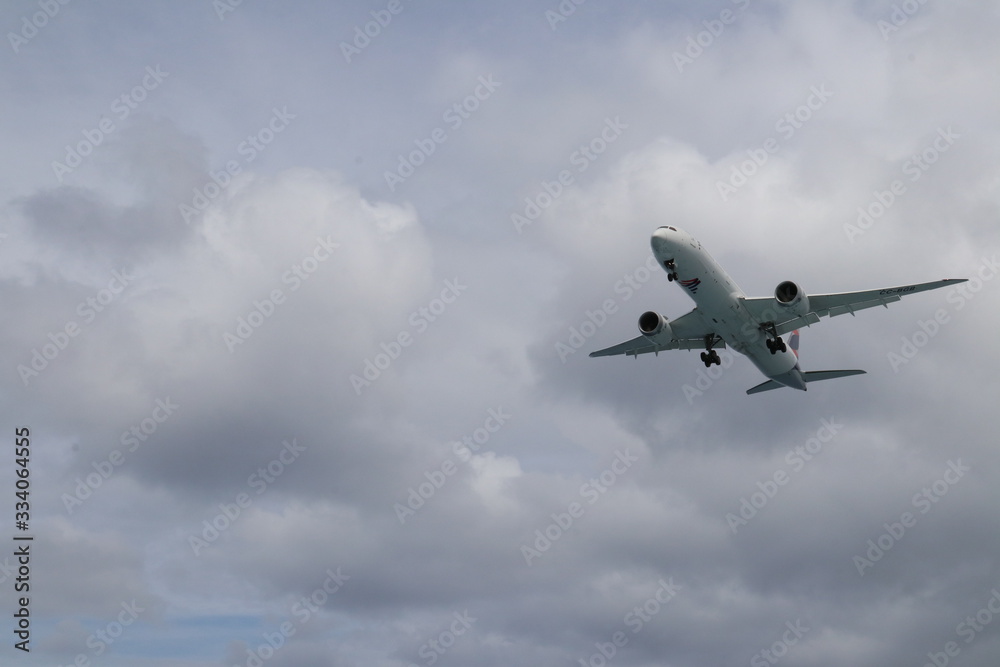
661,238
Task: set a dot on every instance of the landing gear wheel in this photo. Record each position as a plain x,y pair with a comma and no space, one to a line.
710,356
671,270
773,344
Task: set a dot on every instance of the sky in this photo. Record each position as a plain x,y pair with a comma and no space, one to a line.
299,297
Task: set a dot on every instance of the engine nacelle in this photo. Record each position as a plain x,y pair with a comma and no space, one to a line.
791,297
655,327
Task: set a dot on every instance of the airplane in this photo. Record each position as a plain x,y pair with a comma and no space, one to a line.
753,326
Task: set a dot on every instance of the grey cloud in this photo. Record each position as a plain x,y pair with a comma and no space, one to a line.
363,274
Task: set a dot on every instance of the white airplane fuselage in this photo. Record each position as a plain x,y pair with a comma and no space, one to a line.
720,302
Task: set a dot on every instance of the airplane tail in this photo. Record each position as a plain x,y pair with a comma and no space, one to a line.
808,376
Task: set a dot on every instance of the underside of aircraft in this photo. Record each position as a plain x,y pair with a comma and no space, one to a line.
753,326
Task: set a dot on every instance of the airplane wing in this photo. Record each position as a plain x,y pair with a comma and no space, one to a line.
764,309
687,333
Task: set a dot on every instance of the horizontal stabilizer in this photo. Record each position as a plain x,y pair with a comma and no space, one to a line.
765,386
810,376
816,376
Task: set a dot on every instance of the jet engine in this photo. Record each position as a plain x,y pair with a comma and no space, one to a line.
791,297
655,326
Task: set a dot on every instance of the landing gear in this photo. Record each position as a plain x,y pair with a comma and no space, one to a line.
775,343
710,356
671,270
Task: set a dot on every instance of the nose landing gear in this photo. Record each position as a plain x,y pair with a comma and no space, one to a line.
671,270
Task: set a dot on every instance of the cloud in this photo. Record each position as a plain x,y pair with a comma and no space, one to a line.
247,382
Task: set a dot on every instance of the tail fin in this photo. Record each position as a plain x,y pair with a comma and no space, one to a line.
793,342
